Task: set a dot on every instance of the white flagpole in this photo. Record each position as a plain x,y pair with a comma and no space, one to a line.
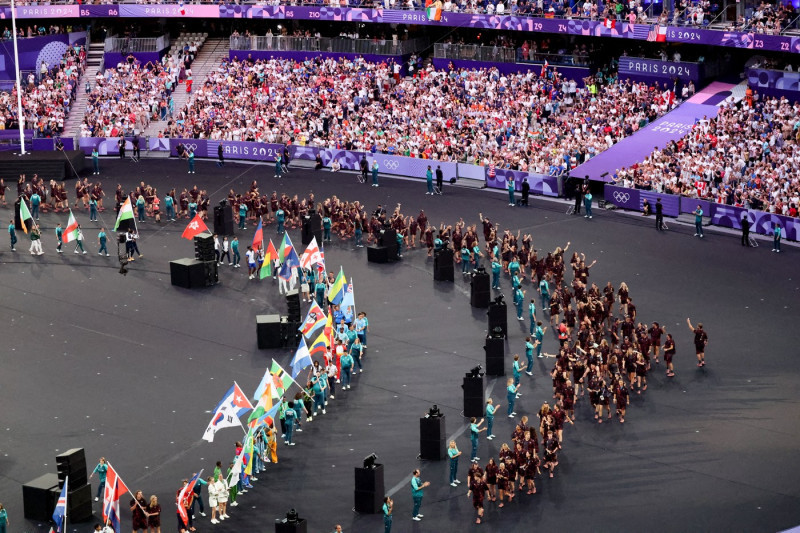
66,505
20,116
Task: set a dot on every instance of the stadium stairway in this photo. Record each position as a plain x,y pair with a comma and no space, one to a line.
94,61
208,57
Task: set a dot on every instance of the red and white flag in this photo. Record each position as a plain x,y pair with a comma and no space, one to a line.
312,255
195,228
610,23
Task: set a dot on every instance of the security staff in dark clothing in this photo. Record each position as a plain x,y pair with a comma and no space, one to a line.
121,144
526,191
137,152
439,179
659,215
364,169
578,196
745,230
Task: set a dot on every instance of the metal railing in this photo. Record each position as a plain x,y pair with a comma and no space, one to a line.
326,44
472,52
136,44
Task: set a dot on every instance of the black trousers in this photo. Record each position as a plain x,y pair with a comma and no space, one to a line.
659,222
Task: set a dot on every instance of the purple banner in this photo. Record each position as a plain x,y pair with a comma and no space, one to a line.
654,68
50,144
539,183
315,13
471,172
99,11
638,146
169,10
13,134
347,160
775,83
156,144
688,206
48,12
622,197
670,204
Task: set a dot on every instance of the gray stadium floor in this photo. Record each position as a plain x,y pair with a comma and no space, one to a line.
130,367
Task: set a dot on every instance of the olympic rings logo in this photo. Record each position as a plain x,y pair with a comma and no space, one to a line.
190,146
391,164
621,197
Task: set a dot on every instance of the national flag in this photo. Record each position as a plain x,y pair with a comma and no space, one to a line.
610,23
195,228
336,292
269,256
281,380
247,451
24,214
434,13
236,471
544,69
328,330
186,491
263,415
321,264
71,231
301,359
661,34
288,254
258,238
320,345
125,216
61,507
114,488
233,405
348,300
311,256
315,319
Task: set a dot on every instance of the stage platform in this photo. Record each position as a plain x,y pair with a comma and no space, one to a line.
48,165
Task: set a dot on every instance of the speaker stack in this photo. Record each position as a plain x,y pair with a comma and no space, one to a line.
223,219
204,247
443,268
193,274
293,303
312,227
498,316
473,395
290,333
480,289
39,497
432,438
72,463
268,331
369,490
495,355
377,254
387,237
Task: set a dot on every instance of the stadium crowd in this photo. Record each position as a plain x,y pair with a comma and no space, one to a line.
745,157
522,121
46,101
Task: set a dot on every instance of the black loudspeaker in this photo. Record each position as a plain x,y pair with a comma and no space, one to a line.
290,332
443,269
293,303
301,526
480,289
388,237
473,396
72,463
210,273
79,503
432,438
498,318
223,220
187,273
495,356
39,497
377,254
268,330
369,490
312,227
121,238
204,247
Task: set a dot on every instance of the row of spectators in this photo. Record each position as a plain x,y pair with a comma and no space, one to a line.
522,121
46,101
126,98
40,30
747,156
